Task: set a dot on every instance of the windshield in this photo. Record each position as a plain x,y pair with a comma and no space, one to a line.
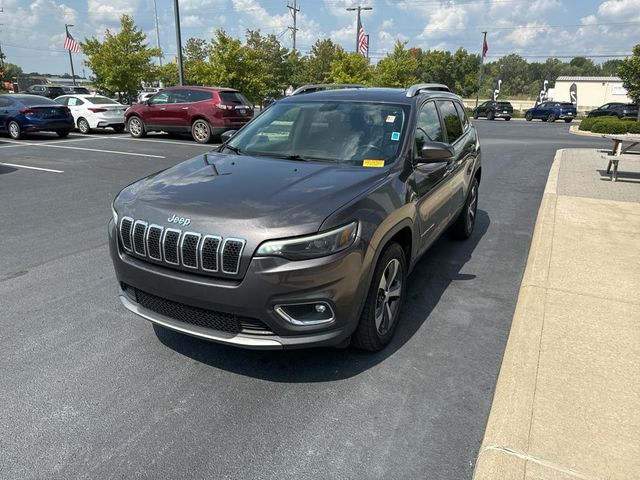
334,131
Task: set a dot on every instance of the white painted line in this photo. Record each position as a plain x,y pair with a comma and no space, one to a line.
153,140
48,145
31,168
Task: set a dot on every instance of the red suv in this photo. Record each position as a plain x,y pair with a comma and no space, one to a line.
203,111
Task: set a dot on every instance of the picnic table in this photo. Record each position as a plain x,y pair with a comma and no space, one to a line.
620,152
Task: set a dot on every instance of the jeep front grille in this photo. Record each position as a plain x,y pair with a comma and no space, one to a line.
189,250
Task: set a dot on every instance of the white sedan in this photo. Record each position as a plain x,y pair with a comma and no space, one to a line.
94,111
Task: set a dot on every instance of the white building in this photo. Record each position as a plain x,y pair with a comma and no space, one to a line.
591,91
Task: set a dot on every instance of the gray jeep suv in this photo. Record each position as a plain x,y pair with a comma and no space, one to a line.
302,228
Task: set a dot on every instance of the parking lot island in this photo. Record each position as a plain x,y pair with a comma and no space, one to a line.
567,400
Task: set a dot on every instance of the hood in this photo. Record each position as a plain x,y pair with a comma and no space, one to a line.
248,197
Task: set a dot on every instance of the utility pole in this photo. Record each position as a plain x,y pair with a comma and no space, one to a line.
484,42
358,9
155,10
73,75
294,9
176,11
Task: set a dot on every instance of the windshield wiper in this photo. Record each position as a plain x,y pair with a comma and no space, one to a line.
284,156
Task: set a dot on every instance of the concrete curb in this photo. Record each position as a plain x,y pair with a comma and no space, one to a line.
574,129
506,441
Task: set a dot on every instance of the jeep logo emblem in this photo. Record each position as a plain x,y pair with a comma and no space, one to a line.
179,220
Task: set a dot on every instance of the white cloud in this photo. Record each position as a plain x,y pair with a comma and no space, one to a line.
191,21
110,10
527,34
338,8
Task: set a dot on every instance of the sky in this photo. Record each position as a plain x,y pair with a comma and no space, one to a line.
32,31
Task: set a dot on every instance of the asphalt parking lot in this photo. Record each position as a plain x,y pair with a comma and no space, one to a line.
88,390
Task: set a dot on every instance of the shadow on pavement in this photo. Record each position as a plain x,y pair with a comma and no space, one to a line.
4,169
429,280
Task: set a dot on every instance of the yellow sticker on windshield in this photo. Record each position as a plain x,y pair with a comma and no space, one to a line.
373,163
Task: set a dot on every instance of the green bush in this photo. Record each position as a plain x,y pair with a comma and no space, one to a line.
609,125
634,127
587,123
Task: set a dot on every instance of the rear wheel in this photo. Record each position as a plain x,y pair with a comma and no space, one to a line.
384,301
201,131
507,118
551,117
568,120
490,115
466,221
136,127
14,130
528,117
62,133
83,125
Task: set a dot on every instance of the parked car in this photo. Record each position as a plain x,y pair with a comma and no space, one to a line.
620,110
493,110
302,228
75,89
21,114
147,93
201,111
551,111
44,91
94,111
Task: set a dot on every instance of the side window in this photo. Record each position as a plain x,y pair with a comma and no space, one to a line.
74,102
62,101
428,127
160,98
199,95
179,96
463,116
451,120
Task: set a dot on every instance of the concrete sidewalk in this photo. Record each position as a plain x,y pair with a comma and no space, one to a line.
567,401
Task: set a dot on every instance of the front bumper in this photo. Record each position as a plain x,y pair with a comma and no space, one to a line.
268,282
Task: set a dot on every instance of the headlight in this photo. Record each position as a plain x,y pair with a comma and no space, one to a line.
114,214
313,246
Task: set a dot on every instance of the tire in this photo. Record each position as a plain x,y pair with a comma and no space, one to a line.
490,116
507,118
544,119
528,117
568,120
118,129
201,131
63,133
466,221
136,128
475,115
83,126
371,334
14,130
551,117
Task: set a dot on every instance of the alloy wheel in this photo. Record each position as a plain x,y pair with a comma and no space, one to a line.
135,126
14,130
201,132
473,206
388,297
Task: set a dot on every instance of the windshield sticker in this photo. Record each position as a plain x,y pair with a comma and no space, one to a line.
395,136
373,163
391,118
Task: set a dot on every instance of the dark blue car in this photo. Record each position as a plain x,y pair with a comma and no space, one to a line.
21,114
552,111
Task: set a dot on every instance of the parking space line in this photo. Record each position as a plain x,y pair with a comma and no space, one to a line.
171,142
31,168
88,149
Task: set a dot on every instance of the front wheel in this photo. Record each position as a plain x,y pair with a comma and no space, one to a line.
490,116
384,301
63,133
568,120
201,131
14,130
528,117
507,118
136,127
551,117
466,221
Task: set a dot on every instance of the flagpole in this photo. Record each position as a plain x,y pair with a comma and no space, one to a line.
73,75
484,42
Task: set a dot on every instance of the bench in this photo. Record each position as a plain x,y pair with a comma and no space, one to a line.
619,152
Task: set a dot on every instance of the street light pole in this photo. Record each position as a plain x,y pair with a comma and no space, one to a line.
176,11
155,10
358,9
73,75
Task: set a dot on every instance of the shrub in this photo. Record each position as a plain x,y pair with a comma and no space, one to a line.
634,127
609,125
587,123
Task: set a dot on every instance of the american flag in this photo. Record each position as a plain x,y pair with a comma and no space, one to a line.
71,44
485,48
363,44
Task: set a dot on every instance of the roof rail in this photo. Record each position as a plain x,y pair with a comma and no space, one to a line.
325,86
418,88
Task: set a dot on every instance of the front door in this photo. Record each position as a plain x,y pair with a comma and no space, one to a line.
154,114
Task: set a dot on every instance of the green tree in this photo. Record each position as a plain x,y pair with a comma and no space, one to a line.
318,63
195,57
168,74
350,68
123,60
10,72
227,63
629,71
398,68
266,67
610,67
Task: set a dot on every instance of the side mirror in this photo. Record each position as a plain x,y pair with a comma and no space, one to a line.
436,152
226,136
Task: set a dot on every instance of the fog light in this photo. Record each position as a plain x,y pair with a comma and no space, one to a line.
315,313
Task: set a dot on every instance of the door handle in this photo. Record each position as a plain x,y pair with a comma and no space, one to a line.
162,108
185,108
